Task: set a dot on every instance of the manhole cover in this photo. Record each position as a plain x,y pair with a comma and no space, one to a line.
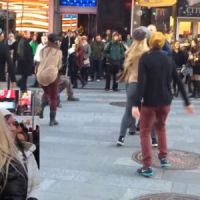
118,103
180,160
168,196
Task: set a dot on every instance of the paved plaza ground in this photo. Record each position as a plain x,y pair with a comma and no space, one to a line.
80,159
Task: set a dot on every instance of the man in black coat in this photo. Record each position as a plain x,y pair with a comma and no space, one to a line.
5,59
66,44
25,60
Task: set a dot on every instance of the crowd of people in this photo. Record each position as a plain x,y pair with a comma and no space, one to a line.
150,66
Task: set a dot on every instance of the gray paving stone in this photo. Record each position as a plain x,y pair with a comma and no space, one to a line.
80,160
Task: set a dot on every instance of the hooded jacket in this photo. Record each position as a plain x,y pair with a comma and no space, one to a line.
32,169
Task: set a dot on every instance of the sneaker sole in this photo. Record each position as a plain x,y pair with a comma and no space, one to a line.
165,165
145,175
154,145
120,144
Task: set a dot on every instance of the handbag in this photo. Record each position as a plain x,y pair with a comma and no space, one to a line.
86,62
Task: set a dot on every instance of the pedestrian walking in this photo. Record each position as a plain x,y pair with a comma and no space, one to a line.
130,77
47,76
156,71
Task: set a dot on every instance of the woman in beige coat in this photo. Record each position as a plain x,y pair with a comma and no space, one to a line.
47,75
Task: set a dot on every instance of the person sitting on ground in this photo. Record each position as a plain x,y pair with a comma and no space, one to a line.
25,153
13,175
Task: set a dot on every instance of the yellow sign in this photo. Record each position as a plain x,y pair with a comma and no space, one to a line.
156,3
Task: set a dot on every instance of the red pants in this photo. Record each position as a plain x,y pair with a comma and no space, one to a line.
153,116
50,95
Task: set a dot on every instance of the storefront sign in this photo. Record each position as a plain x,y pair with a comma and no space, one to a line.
189,8
157,3
79,3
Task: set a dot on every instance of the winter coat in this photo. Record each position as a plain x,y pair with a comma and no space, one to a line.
50,64
97,50
87,51
5,58
66,44
13,50
25,57
16,184
114,53
32,168
180,58
79,54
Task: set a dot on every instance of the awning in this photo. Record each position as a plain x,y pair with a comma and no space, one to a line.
156,3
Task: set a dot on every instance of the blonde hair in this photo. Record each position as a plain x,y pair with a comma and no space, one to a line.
135,52
132,56
8,149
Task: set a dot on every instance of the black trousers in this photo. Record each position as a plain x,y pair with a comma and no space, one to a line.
84,74
2,73
111,72
96,69
23,83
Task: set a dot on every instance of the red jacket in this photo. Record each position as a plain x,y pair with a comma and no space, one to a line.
80,57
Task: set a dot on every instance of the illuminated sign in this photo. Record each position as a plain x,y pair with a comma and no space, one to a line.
156,3
69,22
30,14
79,3
189,8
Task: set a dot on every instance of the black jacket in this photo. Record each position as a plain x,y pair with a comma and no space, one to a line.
25,57
180,58
156,72
5,58
65,45
16,185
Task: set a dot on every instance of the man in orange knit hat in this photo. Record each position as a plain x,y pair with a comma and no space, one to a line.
156,71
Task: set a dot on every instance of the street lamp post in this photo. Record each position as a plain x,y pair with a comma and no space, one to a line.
7,17
132,16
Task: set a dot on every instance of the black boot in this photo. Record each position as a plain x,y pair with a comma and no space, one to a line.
43,105
53,122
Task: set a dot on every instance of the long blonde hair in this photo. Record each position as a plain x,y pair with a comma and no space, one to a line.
8,149
134,52
132,55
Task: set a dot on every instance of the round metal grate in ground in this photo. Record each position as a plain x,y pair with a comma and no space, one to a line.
168,196
118,103
180,160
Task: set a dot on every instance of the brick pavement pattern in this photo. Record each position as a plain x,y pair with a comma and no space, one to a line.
80,160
